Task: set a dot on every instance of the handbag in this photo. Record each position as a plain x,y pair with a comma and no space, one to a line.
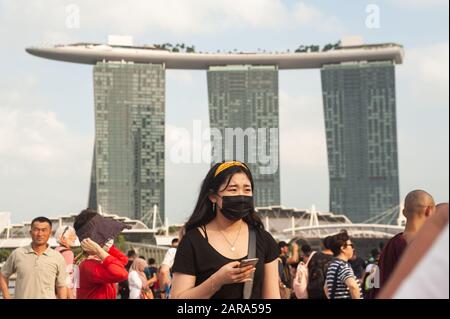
301,279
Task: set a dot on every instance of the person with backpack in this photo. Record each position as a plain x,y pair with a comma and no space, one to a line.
317,269
300,283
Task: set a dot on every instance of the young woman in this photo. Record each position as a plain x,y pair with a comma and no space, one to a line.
217,239
104,267
137,280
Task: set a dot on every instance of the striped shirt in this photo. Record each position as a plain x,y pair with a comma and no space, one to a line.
337,289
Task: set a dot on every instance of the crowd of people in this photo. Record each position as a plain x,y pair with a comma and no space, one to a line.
337,272
224,252
101,271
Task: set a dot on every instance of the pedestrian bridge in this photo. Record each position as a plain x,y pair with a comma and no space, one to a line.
384,225
354,230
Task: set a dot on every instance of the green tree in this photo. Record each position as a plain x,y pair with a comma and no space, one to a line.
120,242
328,47
4,254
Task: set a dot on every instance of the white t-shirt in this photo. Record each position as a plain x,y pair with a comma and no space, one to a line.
369,268
170,257
135,285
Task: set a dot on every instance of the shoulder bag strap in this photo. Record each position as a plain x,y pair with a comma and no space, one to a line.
248,286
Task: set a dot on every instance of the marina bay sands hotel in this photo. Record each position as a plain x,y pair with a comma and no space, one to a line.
359,102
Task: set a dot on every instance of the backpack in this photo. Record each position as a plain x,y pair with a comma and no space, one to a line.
301,279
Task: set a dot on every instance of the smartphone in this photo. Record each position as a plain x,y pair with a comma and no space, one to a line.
248,262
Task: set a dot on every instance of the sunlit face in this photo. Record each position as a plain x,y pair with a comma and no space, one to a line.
40,233
348,249
71,238
68,240
239,185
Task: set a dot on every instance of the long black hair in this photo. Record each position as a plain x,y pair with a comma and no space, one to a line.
204,211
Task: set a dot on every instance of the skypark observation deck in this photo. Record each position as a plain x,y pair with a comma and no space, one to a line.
87,53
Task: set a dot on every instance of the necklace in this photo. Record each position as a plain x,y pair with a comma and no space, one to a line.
232,245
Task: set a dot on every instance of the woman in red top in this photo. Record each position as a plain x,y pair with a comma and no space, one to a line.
104,267
101,271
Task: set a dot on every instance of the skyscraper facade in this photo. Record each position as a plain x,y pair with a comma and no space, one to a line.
128,165
246,97
360,121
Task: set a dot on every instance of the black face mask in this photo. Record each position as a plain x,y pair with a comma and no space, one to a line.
237,207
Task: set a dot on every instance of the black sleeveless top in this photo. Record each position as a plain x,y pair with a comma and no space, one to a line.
196,257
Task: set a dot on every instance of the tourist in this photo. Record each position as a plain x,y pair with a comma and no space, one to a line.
422,272
138,282
317,270
284,268
223,230
66,237
41,271
104,266
419,205
341,282
165,271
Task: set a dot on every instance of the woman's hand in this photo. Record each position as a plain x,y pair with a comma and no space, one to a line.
92,248
152,281
231,273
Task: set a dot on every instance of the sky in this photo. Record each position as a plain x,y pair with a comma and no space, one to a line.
47,114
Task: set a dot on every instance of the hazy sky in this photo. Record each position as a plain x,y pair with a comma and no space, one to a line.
46,107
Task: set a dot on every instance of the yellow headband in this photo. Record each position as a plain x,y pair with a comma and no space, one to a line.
227,165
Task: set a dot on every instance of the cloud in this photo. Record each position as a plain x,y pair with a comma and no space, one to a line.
44,167
37,142
422,108
187,17
25,17
307,15
183,77
154,17
425,74
303,139
419,4
431,63
304,167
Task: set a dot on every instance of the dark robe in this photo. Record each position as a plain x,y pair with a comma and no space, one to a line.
390,256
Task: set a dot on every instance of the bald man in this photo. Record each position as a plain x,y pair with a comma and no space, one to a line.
419,205
422,272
